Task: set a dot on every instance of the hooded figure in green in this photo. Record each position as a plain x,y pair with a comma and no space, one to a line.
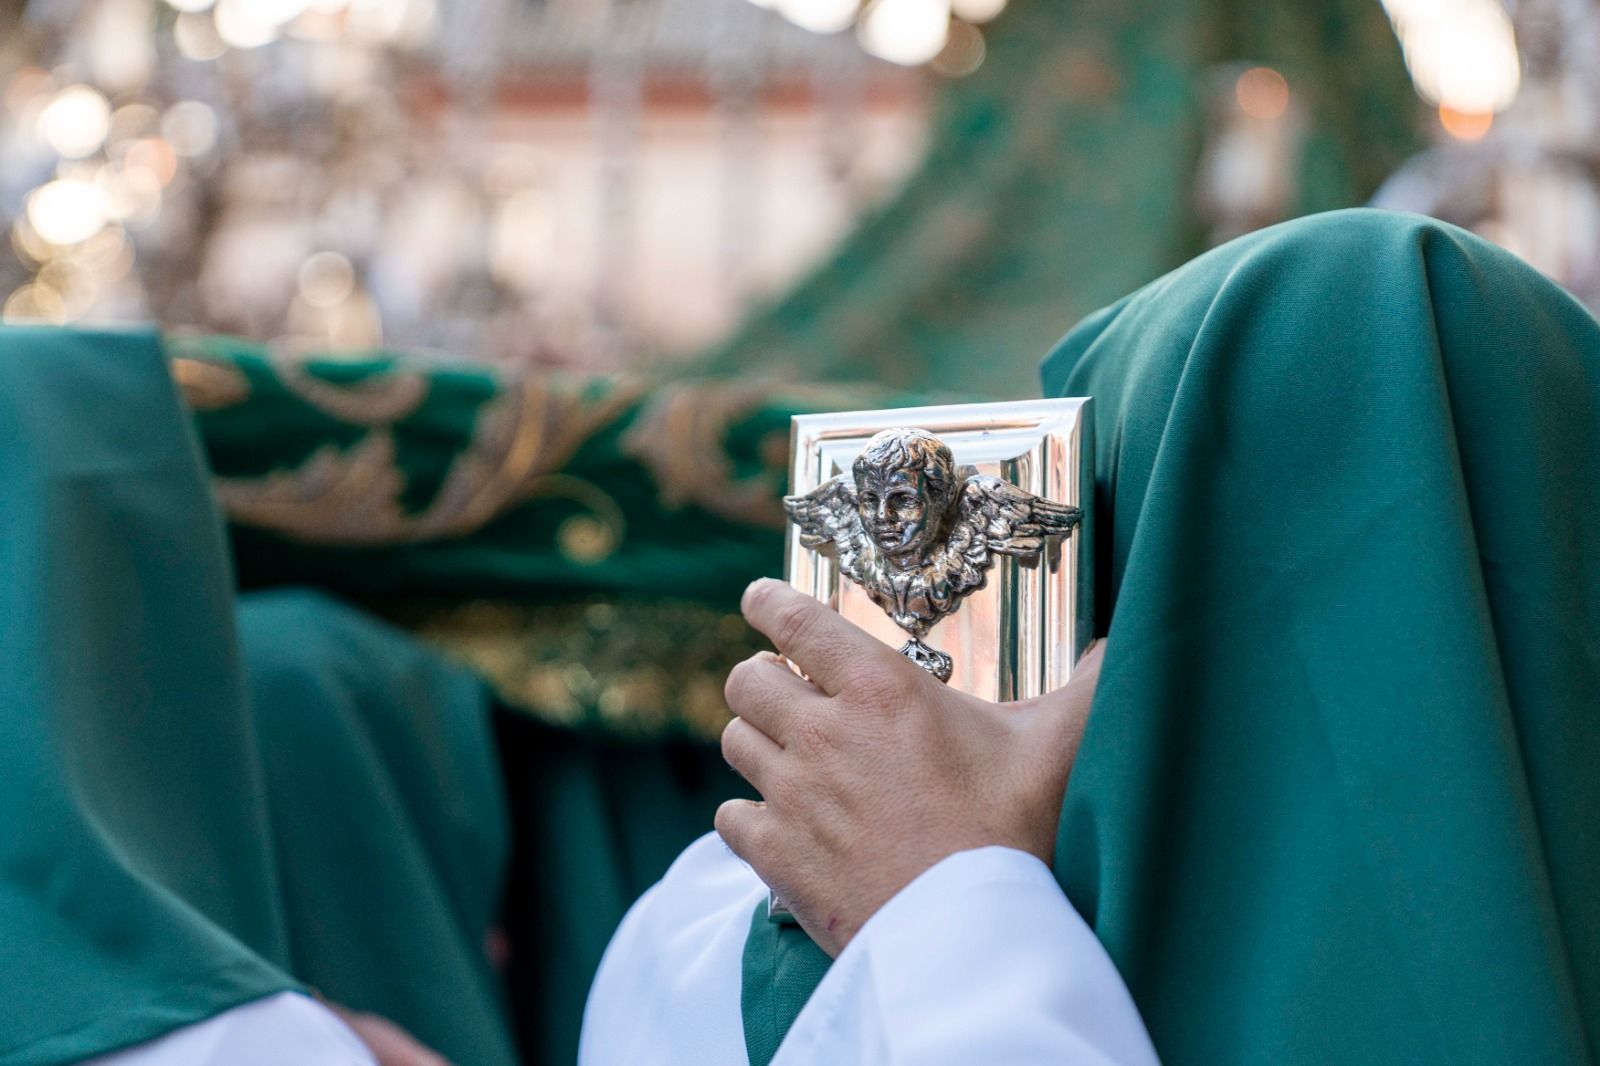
1337,800
1338,795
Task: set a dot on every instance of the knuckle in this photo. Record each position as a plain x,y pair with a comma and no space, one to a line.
729,823
814,735
730,739
795,621
745,830
878,692
783,787
736,689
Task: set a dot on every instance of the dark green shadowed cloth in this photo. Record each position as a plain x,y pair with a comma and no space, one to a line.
1337,799
388,820
177,839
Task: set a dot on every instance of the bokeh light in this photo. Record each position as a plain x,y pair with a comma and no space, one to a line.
908,32
963,53
76,122
1465,125
35,302
131,194
327,279
30,247
1462,54
977,11
819,16
67,211
190,127
272,12
239,27
1262,93
197,38
154,155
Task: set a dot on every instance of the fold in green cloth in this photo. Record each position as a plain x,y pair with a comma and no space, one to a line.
1337,798
134,894
178,841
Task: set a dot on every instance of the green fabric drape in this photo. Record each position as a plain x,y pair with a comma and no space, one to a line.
596,823
388,825
1063,173
580,542
179,838
1336,800
206,801
132,893
397,853
388,477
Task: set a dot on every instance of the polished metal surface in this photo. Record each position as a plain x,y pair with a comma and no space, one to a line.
1023,623
918,534
973,551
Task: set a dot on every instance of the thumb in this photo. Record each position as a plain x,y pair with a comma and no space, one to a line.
1073,697
1057,719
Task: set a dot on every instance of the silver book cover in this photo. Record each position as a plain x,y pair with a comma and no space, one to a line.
965,528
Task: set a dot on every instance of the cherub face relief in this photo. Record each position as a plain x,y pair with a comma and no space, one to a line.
896,510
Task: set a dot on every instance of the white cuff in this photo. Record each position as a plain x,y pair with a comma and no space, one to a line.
980,959
668,988
286,1027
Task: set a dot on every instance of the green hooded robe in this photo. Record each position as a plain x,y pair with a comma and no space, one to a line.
1339,797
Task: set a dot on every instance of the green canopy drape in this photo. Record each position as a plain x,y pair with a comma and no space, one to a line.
1062,175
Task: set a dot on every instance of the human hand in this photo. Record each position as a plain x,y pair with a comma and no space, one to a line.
390,1045
872,771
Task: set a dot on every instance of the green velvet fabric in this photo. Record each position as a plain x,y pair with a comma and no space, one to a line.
404,830
386,476
1336,801
781,967
579,542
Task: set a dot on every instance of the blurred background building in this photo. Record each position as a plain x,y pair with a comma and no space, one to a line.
900,190
546,182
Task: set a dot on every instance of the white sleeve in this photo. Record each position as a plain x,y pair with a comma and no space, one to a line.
981,959
668,988
286,1027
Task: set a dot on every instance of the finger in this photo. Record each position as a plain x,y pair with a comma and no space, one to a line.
390,1045
1060,718
742,825
765,692
829,649
1087,669
751,752
1072,700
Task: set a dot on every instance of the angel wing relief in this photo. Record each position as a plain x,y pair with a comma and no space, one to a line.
919,534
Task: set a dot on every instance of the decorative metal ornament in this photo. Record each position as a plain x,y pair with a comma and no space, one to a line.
983,507
919,534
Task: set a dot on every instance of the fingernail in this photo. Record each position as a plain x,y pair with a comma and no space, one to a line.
754,587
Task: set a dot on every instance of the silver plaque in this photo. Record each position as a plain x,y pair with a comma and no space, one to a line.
964,527
985,562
